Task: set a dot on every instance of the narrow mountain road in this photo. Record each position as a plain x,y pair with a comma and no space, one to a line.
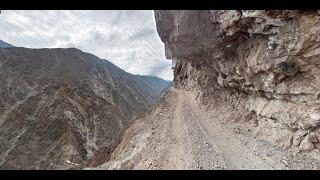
215,148
180,135
179,157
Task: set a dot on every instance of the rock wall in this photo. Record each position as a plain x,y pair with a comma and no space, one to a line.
264,64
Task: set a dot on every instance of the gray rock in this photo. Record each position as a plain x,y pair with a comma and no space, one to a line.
253,61
306,145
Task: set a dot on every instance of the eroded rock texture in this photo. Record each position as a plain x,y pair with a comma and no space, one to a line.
62,108
263,64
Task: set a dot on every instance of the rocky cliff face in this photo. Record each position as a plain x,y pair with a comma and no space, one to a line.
263,65
62,108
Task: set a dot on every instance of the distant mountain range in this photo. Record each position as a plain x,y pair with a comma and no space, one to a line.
60,107
5,44
155,83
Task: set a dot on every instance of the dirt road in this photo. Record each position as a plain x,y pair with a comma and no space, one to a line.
181,135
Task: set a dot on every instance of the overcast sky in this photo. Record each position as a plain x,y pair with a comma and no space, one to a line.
129,39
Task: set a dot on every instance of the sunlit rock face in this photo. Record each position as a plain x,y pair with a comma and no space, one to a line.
64,108
263,64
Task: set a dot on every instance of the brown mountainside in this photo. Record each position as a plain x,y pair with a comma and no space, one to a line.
60,106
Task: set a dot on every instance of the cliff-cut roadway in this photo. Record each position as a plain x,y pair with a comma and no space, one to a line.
181,135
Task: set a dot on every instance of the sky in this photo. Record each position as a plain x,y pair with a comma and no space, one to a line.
128,39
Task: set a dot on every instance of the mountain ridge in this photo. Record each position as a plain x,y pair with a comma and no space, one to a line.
4,44
59,107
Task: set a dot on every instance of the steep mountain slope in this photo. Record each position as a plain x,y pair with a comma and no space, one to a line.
60,107
245,96
5,44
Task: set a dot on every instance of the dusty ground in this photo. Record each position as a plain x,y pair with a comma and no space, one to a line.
179,134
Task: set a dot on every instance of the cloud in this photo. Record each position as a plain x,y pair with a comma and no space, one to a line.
127,38
143,33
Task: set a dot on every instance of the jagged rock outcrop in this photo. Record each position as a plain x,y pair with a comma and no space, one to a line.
62,108
263,64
